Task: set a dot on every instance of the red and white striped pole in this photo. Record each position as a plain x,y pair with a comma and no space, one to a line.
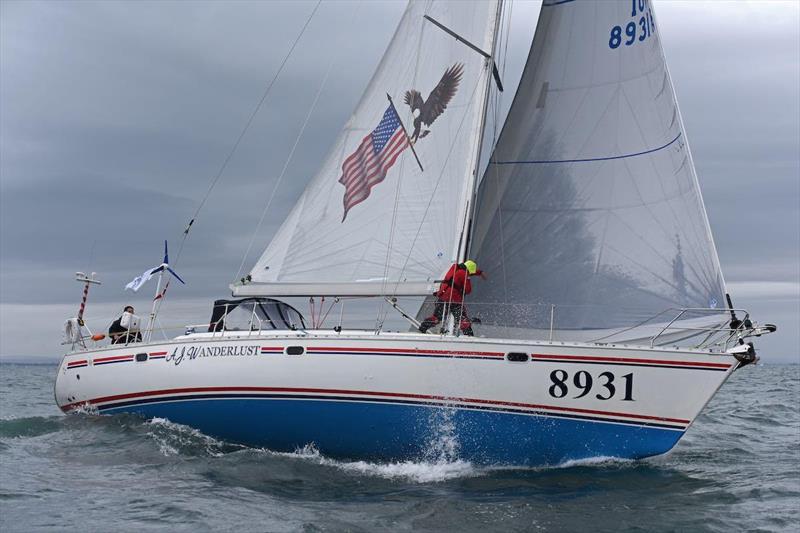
87,280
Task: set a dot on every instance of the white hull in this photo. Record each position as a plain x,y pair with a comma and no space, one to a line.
393,396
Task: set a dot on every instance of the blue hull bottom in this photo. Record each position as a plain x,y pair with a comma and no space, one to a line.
392,432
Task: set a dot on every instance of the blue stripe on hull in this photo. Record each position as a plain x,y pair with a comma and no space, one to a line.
389,432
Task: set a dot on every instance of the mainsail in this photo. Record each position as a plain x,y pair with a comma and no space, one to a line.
590,202
388,226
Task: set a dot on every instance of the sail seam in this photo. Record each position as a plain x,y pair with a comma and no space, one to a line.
588,160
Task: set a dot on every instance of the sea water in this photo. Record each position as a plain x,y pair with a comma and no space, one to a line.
737,468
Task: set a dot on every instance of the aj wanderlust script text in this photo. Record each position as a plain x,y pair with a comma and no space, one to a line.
193,352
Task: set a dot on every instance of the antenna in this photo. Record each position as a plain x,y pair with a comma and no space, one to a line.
87,281
159,296
73,332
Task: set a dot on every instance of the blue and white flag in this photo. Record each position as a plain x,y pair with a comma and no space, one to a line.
138,281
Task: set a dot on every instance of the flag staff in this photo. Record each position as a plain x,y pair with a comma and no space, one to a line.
410,144
148,274
152,324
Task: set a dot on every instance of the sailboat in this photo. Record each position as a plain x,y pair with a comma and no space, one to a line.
604,323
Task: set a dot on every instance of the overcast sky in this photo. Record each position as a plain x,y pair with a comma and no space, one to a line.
114,117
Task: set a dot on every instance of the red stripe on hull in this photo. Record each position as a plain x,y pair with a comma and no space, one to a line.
629,360
113,358
475,401
404,350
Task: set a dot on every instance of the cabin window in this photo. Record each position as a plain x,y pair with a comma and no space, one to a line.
517,357
141,357
295,350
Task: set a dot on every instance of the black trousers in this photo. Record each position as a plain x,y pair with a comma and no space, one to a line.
459,316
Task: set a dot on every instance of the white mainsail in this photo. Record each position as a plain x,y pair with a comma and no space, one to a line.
591,201
404,235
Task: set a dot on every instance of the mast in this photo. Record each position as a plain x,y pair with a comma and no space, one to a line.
471,189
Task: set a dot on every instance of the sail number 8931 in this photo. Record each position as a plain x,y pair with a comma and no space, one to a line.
583,381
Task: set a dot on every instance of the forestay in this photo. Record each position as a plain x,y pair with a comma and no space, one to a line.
400,231
591,202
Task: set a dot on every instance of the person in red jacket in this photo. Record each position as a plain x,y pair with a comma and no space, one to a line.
450,296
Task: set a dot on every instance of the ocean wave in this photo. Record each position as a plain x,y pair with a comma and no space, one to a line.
439,470
180,440
33,426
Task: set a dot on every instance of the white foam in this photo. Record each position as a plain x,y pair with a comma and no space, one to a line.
600,460
180,435
420,472
86,409
416,471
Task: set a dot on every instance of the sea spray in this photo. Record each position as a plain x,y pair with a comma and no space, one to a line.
443,445
422,471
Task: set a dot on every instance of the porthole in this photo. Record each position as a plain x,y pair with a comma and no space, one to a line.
517,357
141,357
295,350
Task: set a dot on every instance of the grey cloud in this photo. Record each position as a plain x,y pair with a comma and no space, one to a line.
117,114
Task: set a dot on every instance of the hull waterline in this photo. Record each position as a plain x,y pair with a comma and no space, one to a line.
400,397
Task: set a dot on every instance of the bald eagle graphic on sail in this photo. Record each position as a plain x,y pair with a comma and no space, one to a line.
368,164
426,111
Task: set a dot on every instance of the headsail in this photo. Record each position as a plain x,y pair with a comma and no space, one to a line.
372,221
591,202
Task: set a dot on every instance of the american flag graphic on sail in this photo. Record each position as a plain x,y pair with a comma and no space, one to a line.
367,166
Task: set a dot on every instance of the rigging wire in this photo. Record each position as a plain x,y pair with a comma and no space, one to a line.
285,167
236,145
382,312
508,32
433,194
291,154
495,139
244,130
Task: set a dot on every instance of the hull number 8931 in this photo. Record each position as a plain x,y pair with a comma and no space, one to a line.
582,383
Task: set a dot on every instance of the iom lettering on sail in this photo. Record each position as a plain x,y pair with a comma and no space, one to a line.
193,352
636,31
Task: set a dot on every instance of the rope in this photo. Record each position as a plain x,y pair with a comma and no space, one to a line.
325,316
382,312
